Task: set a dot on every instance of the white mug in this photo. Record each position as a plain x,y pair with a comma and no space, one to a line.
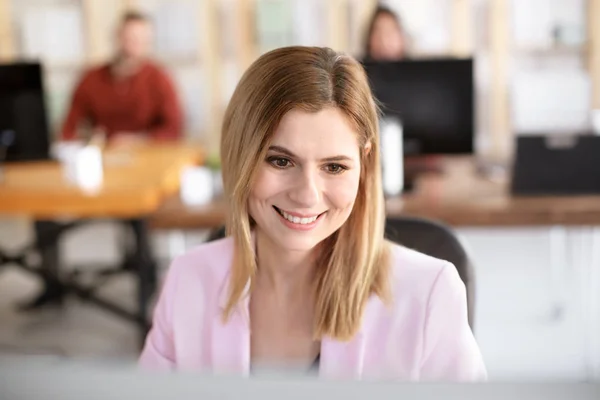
197,186
82,165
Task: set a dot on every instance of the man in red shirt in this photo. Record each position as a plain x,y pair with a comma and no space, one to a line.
131,98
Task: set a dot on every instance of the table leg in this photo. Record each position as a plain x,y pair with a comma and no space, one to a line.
47,235
147,271
140,261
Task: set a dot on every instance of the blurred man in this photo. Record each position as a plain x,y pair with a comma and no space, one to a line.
131,98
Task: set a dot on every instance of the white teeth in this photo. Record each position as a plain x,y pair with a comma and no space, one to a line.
298,220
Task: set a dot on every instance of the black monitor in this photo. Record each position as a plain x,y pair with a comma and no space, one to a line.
433,99
23,120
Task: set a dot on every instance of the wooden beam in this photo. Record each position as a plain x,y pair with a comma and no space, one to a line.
130,4
361,15
593,23
92,28
245,36
209,52
337,25
7,40
500,129
462,28
100,22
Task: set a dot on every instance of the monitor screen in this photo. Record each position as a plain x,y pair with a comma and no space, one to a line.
433,99
23,121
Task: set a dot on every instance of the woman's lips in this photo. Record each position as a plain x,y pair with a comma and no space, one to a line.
298,221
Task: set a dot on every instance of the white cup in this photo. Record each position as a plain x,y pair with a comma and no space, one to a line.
63,151
197,186
89,172
82,165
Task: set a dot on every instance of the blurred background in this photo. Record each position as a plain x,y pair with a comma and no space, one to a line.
536,70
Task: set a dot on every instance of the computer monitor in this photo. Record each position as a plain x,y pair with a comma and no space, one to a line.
84,380
23,119
433,99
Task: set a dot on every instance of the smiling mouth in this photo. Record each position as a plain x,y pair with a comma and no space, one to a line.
298,220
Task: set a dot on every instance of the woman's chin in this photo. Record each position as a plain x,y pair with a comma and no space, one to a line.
297,244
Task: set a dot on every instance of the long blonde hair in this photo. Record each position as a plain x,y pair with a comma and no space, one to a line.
355,263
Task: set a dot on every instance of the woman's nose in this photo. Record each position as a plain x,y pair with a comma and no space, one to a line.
306,192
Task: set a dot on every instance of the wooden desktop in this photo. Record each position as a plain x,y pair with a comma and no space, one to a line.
136,182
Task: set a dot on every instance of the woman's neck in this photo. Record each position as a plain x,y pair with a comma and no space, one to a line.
287,274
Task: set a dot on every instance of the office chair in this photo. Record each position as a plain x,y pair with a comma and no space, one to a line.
436,240
428,237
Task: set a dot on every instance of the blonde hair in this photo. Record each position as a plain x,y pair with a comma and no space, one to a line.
355,261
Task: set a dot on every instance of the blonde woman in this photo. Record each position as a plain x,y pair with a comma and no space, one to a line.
305,279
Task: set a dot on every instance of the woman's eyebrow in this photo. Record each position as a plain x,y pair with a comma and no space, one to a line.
283,150
337,159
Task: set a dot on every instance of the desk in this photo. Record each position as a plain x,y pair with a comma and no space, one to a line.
136,182
458,197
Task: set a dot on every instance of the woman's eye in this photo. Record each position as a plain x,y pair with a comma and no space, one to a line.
280,162
335,168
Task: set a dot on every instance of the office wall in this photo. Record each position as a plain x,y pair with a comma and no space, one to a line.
534,58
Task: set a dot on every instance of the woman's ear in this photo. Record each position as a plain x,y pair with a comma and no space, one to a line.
368,147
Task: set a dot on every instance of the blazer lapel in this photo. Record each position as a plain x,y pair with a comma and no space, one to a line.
231,339
346,360
342,360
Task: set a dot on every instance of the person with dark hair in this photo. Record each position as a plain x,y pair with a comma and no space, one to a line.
386,39
130,98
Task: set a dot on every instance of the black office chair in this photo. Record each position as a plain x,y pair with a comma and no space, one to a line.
436,240
425,236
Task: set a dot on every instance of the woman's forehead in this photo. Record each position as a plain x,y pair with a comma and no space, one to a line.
316,132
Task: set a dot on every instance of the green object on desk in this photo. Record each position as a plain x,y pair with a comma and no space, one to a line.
213,161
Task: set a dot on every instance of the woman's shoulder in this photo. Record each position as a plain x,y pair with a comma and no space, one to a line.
209,262
416,274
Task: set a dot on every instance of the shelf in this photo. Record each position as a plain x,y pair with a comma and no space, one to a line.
552,50
53,66
178,60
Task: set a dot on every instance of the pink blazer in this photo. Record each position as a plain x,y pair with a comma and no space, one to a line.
422,335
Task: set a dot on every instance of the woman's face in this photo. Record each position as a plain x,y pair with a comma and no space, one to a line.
387,41
307,185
